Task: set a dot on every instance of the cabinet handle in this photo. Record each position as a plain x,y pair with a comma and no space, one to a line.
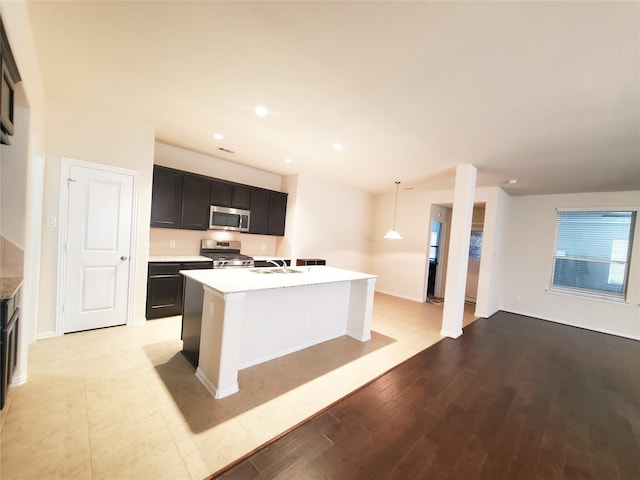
123,258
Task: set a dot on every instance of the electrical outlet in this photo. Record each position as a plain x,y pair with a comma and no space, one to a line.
172,244
518,298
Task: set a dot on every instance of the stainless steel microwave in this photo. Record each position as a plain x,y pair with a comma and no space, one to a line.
224,218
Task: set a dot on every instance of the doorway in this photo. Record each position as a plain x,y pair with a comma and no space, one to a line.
96,227
434,258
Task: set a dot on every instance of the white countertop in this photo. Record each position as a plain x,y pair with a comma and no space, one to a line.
178,258
236,280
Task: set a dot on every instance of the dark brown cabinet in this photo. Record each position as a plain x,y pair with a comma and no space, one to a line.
196,191
277,213
221,193
166,198
227,194
164,287
310,261
9,321
268,212
9,76
182,200
179,199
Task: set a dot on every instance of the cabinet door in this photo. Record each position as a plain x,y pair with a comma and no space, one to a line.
221,193
166,198
241,197
259,211
196,192
277,213
164,290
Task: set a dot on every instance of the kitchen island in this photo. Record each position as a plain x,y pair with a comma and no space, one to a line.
249,316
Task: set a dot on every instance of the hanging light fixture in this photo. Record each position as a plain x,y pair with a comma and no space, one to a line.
393,233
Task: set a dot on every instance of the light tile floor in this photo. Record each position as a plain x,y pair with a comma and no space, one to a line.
123,403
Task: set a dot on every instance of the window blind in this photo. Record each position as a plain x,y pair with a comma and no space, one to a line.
592,254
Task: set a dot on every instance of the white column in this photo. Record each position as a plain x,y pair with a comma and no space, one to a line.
458,260
220,342
361,309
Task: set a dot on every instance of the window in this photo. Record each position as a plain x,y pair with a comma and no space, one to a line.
593,249
475,245
435,242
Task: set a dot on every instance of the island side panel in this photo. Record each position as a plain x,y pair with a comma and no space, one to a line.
281,321
220,341
191,319
361,309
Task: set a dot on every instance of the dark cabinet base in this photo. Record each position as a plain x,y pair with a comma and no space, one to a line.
10,318
164,287
192,320
310,261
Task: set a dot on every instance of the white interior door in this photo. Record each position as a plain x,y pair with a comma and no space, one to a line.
98,246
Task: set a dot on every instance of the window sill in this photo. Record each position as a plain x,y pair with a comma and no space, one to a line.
587,296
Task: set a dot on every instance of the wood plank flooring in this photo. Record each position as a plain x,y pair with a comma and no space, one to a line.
513,398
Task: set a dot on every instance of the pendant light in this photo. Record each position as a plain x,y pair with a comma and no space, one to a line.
393,233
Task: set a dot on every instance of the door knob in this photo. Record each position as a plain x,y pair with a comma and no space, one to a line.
123,258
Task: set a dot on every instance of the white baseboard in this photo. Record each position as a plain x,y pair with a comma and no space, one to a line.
211,388
46,334
572,324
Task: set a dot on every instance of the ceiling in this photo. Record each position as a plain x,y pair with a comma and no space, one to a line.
547,93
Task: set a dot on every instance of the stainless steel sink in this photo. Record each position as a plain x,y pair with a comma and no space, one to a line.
275,270
261,270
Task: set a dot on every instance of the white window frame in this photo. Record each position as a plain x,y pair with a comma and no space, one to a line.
589,293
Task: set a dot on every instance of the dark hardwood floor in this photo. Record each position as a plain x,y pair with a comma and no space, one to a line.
513,398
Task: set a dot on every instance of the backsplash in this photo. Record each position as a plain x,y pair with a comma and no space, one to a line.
11,259
171,241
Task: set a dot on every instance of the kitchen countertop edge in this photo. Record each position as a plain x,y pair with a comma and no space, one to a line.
229,281
177,258
9,286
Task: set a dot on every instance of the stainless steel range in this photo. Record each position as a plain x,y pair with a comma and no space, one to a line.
225,253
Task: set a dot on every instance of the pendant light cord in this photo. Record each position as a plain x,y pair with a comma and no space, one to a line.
395,208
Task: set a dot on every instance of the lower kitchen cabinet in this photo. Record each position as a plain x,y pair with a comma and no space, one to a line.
310,261
165,285
9,321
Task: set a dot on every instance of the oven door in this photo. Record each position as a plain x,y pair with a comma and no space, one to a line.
224,218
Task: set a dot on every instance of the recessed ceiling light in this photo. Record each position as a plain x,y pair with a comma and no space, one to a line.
337,147
513,181
261,111
218,136
287,160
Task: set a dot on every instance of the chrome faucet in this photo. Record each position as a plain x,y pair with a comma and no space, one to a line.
284,264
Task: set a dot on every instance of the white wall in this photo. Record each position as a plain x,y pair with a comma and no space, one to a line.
329,220
13,199
187,160
30,114
99,138
402,265
527,265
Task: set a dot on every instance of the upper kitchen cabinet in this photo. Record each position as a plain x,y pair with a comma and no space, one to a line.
182,200
227,194
179,199
9,77
166,197
268,212
196,191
